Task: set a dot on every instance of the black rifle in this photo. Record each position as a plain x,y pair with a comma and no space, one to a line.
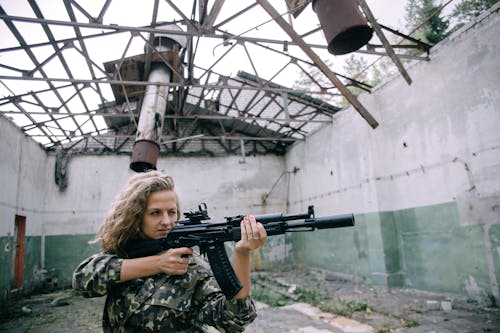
210,238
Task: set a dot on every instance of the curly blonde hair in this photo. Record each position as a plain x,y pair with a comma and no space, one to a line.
124,220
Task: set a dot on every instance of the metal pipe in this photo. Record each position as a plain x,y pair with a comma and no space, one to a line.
150,127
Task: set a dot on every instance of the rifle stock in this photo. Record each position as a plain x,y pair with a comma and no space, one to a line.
210,238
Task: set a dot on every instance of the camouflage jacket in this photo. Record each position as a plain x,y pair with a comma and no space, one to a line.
161,303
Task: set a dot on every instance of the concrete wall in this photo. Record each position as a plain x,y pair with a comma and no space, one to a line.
424,185
22,181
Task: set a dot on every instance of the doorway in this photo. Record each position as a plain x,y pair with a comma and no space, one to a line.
20,225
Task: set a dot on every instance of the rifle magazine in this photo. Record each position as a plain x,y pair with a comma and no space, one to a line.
222,269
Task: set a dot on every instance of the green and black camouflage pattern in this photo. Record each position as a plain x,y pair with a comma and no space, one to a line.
161,303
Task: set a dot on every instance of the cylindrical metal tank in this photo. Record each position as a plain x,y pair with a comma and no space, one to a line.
344,25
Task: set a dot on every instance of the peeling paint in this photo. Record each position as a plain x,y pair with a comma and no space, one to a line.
472,287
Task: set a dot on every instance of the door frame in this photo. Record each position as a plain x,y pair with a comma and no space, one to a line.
20,230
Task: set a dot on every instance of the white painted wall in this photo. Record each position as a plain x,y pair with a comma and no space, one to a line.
22,167
438,139
228,186
438,142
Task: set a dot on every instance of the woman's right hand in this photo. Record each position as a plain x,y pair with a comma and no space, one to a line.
171,262
175,261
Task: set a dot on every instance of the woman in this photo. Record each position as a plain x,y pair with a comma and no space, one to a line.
173,291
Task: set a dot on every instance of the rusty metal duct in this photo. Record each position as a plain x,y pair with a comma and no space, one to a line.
345,28
149,129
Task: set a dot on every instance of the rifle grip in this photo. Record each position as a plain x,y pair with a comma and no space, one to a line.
222,269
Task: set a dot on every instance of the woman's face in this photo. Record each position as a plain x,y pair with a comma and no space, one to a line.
160,215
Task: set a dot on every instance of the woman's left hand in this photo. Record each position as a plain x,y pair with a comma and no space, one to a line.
253,235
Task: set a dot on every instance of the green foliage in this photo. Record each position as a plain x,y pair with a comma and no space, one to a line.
370,74
320,299
384,330
268,291
467,10
436,28
411,323
342,307
422,14
271,292
310,296
406,323
269,297
412,16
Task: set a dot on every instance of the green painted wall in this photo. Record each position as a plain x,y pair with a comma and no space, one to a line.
342,250
439,254
494,235
32,272
424,248
32,268
62,254
6,262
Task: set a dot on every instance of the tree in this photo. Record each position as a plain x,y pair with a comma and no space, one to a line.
436,28
355,67
359,77
432,27
312,79
411,14
466,10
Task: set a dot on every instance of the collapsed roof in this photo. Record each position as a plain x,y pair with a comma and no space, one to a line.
73,74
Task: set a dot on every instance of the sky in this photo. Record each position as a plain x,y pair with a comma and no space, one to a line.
389,11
